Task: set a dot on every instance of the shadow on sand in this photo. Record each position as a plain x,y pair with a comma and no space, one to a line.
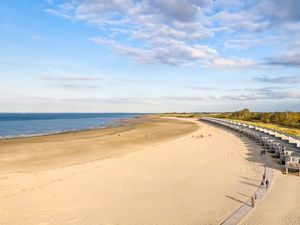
237,200
243,194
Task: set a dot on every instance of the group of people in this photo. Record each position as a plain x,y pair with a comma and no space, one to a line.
200,136
264,181
263,152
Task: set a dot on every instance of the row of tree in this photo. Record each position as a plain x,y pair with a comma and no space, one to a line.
288,119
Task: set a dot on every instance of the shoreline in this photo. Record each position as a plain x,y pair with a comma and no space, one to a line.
117,123
50,151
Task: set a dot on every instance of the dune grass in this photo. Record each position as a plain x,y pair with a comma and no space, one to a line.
287,130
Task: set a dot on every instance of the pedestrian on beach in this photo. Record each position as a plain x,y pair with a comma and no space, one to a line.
264,176
262,183
252,201
267,184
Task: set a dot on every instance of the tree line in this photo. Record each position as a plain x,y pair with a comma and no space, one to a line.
287,119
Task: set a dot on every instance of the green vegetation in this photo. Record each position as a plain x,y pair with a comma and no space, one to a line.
287,130
187,115
287,119
287,122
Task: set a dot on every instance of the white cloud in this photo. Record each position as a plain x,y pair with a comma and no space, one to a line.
234,63
286,59
70,78
279,80
267,93
176,52
176,31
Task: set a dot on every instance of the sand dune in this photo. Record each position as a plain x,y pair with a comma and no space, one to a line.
174,179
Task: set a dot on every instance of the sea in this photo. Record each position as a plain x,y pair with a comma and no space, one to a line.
36,124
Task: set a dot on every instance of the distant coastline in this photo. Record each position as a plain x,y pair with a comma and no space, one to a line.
22,125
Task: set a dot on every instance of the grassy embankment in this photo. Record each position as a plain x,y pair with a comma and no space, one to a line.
287,130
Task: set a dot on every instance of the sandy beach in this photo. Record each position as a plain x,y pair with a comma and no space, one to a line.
148,112
120,176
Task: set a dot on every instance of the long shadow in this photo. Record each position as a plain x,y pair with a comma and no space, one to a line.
248,183
243,194
237,200
247,178
253,149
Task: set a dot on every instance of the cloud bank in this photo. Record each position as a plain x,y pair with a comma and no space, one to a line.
188,31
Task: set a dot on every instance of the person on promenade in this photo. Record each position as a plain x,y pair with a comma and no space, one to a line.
267,184
252,201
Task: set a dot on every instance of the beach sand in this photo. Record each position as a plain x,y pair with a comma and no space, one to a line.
98,177
52,151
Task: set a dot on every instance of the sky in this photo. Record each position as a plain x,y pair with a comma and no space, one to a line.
149,55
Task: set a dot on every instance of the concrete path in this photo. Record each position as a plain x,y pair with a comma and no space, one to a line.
241,212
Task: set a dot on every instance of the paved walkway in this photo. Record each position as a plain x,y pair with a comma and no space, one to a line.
241,212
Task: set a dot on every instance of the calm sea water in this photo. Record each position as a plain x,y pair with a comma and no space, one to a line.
27,124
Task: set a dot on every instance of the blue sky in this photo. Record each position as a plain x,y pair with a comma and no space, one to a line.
149,55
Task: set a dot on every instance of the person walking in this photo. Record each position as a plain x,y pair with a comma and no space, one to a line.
267,184
252,201
262,183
